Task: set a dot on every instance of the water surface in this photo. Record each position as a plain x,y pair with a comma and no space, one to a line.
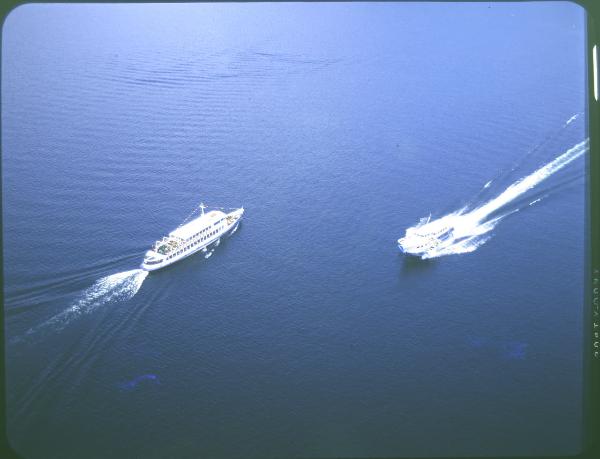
306,334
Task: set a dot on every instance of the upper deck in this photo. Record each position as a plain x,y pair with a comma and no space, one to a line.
192,228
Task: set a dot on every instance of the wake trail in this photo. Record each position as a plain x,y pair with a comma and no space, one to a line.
542,192
529,154
525,184
465,230
573,118
114,288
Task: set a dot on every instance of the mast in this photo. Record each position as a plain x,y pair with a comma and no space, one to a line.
202,207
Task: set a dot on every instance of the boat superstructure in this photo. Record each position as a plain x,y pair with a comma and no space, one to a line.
427,236
192,237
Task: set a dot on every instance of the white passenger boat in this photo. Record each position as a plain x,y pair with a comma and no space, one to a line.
192,237
427,236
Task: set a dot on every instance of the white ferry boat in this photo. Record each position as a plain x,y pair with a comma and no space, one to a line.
192,237
427,236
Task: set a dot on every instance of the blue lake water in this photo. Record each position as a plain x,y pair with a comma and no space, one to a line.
307,333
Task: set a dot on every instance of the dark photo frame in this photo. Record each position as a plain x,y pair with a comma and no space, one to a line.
300,229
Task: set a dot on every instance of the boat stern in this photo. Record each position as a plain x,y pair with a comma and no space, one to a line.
152,261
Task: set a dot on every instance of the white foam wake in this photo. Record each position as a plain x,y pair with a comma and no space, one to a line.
116,287
573,118
465,230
